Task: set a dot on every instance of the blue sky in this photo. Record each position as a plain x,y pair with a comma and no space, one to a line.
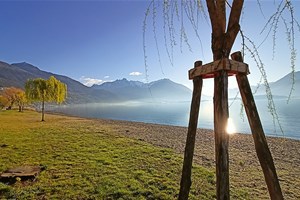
96,41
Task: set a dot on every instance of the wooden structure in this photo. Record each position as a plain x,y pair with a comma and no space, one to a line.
220,69
22,172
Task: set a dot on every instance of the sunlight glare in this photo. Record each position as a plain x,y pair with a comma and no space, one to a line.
230,126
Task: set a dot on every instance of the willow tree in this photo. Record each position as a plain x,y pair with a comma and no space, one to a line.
225,28
41,90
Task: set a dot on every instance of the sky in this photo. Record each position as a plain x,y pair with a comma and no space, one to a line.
98,41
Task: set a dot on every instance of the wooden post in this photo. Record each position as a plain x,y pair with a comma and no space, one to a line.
261,145
185,183
221,137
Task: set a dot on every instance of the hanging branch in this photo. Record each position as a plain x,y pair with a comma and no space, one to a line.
183,36
155,36
271,105
290,31
144,40
189,10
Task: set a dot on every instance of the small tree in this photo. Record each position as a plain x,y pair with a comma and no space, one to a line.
41,90
3,101
14,96
21,100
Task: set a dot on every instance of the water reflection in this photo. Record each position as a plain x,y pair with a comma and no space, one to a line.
178,114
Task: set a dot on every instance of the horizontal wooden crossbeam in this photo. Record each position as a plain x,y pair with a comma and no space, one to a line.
211,69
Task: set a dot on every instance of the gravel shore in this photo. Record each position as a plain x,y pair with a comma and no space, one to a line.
245,170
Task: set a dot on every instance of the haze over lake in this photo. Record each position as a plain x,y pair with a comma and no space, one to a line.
177,114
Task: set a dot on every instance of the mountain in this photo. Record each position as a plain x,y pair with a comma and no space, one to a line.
18,73
161,90
15,75
283,86
280,88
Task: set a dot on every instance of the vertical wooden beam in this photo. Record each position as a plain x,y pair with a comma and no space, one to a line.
185,183
262,150
221,137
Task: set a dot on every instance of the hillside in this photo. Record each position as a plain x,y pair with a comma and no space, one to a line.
15,75
283,86
280,88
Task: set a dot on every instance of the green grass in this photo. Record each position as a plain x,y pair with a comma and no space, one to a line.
88,160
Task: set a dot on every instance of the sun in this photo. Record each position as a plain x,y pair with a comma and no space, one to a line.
230,126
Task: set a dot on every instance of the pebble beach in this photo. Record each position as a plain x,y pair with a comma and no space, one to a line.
245,170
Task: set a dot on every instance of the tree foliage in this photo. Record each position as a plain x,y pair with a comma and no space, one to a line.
3,102
41,90
13,96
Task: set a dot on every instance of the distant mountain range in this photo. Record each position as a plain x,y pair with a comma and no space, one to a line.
280,88
162,90
17,74
125,90
120,90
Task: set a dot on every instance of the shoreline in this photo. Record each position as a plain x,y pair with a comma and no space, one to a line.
280,136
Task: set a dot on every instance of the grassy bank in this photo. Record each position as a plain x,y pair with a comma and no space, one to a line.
108,159
85,159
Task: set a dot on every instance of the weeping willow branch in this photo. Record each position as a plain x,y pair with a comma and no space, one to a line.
183,36
144,41
260,8
291,40
155,36
271,105
285,5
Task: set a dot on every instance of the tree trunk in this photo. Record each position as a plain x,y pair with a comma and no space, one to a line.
186,182
262,150
43,109
221,137
222,42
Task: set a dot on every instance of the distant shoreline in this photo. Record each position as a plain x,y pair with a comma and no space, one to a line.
246,133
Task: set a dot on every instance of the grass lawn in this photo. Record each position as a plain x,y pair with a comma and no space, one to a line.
84,159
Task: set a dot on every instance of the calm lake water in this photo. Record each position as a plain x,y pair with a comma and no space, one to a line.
178,114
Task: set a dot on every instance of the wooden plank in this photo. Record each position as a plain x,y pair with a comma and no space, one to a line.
186,181
23,171
210,69
7,175
262,150
221,115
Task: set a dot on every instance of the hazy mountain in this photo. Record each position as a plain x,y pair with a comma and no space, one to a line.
120,90
283,86
280,88
161,90
17,74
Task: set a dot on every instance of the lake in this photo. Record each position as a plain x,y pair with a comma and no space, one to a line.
177,113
